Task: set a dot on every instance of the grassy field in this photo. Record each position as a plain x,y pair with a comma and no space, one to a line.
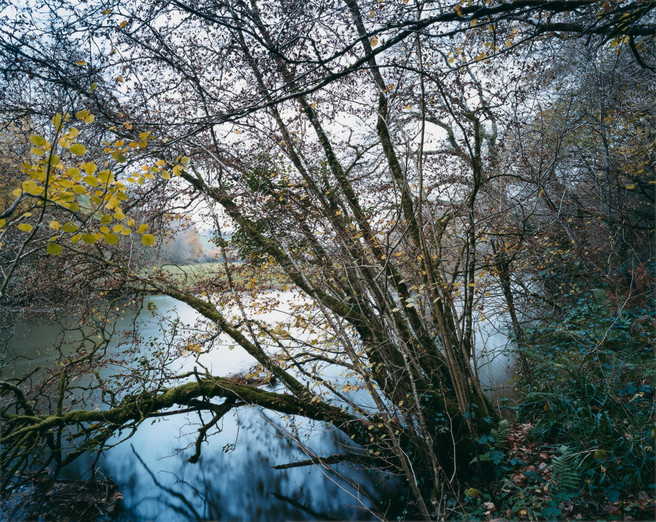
213,276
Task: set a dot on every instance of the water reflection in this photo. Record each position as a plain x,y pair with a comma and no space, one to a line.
234,479
232,482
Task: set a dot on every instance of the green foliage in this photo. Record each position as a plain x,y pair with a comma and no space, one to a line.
566,470
496,444
245,246
594,401
587,449
501,434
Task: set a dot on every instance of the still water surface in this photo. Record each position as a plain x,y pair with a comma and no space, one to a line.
234,479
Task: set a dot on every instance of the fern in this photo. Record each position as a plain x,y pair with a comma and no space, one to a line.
565,470
501,434
496,443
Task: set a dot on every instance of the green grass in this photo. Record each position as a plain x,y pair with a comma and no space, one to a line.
212,276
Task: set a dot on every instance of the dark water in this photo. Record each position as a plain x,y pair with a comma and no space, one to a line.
234,478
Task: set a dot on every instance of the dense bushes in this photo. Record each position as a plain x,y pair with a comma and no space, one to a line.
587,449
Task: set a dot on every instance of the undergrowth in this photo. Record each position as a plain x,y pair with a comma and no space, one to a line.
582,443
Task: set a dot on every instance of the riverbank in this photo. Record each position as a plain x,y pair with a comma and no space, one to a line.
43,498
219,276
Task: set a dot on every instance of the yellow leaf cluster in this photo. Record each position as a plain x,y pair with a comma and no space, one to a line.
94,196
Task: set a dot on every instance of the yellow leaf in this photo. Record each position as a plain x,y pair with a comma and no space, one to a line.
70,228
148,239
143,228
126,231
79,189
123,24
111,239
24,227
131,222
117,228
119,156
57,120
31,187
85,116
119,215
107,11
177,170
54,160
373,42
111,202
54,249
73,171
90,168
105,176
39,141
78,149
185,160
166,175
91,180
81,62
89,239
38,151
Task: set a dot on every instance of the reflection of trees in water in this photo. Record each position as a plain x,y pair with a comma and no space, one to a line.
241,484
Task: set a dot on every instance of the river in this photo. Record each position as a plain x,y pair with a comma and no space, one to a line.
234,479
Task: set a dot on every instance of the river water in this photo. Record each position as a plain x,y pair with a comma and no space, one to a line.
234,479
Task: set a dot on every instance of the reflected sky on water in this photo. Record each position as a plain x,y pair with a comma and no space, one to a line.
234,478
